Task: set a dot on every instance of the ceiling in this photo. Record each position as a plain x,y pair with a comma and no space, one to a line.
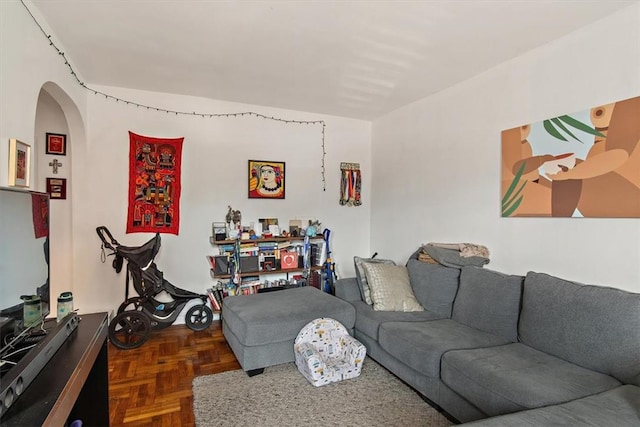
359,59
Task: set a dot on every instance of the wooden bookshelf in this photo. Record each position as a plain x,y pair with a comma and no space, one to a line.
296,241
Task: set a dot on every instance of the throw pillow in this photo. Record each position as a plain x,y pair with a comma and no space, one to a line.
390,287
362,278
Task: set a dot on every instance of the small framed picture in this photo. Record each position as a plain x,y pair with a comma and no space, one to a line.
19,163
295,225
269,226
56,144
57,188
266,179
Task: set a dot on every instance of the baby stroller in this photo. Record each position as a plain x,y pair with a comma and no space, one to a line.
138,315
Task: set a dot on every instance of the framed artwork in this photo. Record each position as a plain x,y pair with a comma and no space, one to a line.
269,226
266,179
295,227
19,163
57,188
56,144
579,165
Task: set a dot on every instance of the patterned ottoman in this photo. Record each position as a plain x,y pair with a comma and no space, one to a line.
261,328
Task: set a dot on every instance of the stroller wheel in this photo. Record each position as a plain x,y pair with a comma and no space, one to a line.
132,304
199,317
129,329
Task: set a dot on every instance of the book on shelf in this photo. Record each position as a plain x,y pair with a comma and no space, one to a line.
318,253
226,249
215,305
284,245
248,281
219,296
315,279
267,246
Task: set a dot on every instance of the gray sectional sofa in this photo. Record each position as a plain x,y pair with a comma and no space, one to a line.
544,350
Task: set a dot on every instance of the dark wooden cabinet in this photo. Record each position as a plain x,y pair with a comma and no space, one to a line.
73,385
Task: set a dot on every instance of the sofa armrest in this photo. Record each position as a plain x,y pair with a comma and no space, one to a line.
347,289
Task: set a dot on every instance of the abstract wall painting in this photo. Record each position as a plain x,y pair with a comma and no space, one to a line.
585,164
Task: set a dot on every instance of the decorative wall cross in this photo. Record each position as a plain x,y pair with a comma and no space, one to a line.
55,164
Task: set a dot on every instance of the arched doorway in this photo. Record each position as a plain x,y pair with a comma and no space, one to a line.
56,113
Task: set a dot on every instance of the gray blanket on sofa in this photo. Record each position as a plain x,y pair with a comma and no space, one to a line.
453,257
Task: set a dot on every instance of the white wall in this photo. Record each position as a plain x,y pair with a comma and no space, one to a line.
28,63
214,175
215,156
436,163
50,118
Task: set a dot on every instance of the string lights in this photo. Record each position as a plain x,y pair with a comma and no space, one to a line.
184,113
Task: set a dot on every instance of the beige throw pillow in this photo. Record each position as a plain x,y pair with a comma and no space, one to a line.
362,277
390,288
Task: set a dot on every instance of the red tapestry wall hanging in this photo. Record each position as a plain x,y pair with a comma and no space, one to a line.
40,212
154,184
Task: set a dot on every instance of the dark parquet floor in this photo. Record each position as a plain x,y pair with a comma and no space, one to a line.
151,385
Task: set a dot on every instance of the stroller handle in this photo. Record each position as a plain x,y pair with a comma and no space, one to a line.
102,230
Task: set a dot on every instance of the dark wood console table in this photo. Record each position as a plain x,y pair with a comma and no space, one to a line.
74,385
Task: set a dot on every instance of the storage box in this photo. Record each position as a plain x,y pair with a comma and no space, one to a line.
249,264
221,264
288,260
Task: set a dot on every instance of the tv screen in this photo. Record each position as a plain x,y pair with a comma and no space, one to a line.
24,268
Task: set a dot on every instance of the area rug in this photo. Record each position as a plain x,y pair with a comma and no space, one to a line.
281,396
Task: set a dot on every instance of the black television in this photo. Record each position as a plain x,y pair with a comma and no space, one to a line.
24,255
24,277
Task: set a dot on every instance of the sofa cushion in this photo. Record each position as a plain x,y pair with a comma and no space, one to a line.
347,289
489,301
362,277
617,407
434,285
595,327
390,288
420,345
369,320
514,377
